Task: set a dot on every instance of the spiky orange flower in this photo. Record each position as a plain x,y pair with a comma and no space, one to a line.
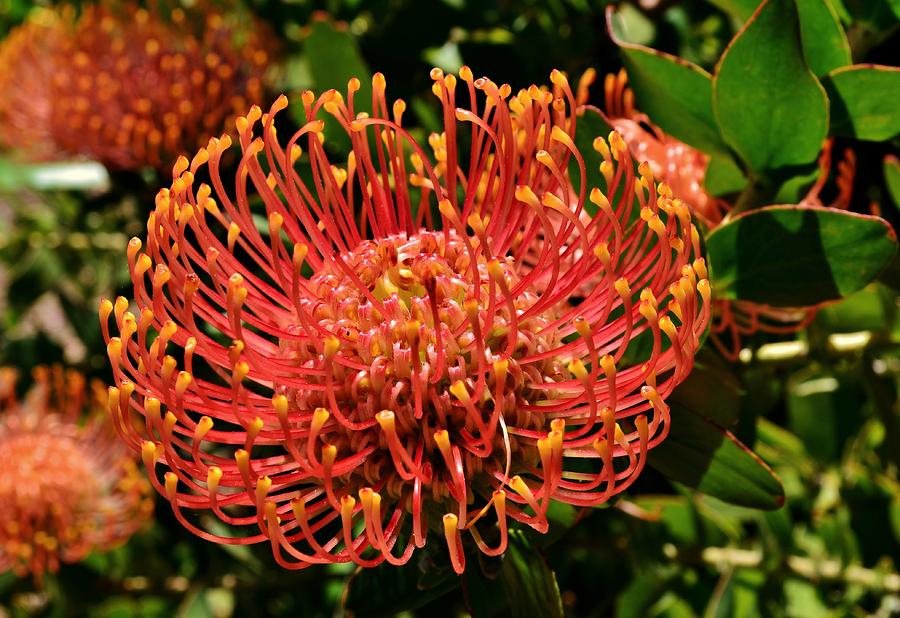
124,85
341,358
66,488
684,169
26,73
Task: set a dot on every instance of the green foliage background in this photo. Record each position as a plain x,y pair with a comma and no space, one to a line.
820,406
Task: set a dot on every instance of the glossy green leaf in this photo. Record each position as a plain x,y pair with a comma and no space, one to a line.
702,455
864,101
387,590
792,256
769,106
674,93
825,44
892,178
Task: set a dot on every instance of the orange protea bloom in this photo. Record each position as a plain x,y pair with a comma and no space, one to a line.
26,73
377,361
683,168
67,488
124,85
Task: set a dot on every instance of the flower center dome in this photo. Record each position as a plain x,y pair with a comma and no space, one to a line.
417,318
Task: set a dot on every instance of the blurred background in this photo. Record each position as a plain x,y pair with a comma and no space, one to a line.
818,405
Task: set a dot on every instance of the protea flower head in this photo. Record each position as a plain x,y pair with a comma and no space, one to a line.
342,358
125,85
26,74
683,168
67,488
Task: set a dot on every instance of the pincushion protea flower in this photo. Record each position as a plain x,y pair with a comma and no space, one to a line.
26,73
124,85
683,168
67,488
340,359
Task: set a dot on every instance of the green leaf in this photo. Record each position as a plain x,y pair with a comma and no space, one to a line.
528,581
795,188
387,590
892,178
792,256
770,108
711,391
864,101
702,455
527,585
723,177
872,308
674,93
825,44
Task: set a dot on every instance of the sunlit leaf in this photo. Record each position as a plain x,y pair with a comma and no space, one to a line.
769,106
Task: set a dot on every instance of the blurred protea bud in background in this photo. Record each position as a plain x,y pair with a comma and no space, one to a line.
26,75
376,362
127,86
68,485
683,168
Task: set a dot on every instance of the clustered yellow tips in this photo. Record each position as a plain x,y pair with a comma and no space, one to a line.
424,339
124,85
67,488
